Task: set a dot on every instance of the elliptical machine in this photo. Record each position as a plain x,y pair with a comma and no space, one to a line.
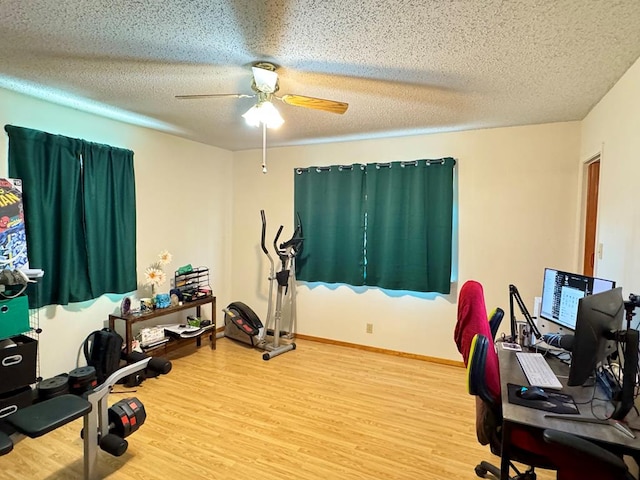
242,324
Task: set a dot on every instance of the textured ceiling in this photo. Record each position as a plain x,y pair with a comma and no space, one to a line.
403,66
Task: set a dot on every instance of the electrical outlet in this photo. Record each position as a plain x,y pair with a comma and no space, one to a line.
369,327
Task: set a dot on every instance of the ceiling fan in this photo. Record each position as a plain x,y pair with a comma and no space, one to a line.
265,85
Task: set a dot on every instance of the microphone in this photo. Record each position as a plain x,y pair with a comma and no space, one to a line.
560,341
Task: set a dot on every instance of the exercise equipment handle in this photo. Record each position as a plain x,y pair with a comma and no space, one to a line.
275,241
263,240
264,232
296,239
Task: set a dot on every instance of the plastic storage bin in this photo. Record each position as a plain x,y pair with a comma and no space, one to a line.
11,402
18,363
14,316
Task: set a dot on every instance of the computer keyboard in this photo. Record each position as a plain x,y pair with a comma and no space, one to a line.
537,370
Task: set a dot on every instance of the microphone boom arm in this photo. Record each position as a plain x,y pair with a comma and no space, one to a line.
514,294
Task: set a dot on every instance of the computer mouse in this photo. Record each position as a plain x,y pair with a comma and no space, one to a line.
532,393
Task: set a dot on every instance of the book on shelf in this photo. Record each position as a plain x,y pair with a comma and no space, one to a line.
185,331
154,343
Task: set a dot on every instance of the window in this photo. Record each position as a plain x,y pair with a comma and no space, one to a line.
79,202
385,225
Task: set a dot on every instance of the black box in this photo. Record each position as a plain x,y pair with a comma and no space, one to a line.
12,401
18,364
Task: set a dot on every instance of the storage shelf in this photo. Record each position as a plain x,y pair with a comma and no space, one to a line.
173,343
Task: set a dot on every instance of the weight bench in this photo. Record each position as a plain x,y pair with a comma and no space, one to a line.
44,417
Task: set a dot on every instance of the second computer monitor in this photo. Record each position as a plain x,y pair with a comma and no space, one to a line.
561,292
599,317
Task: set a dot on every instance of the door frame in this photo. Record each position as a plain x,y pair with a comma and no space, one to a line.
585,211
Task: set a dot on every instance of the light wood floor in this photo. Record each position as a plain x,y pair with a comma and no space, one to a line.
319,412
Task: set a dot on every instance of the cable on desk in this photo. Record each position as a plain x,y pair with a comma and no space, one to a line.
593,406
561,355
613,373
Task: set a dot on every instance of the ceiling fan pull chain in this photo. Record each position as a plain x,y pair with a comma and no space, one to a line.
264,147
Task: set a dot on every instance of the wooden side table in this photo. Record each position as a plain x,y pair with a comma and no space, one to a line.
174,343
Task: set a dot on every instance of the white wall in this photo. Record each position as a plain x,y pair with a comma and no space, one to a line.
183,205
517,191
613,127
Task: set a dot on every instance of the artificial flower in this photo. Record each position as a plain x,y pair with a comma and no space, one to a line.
165,257
154,276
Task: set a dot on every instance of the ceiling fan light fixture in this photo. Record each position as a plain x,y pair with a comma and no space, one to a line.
263,113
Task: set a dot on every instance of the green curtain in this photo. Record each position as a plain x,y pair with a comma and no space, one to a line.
109,206
385,225
65,215
409,225
330,202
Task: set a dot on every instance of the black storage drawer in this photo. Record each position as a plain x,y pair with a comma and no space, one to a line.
12,401
18,363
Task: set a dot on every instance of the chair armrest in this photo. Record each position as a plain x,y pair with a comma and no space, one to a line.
584,447
495,319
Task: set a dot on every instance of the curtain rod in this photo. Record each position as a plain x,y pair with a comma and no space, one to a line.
327,169
408,163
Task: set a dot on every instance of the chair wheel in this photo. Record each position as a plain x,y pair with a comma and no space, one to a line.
528,475
481,472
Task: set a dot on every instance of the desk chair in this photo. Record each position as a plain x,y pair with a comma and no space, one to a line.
572,457
473,337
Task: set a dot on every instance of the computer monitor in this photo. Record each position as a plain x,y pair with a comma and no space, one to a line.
599,317
561,292
598,334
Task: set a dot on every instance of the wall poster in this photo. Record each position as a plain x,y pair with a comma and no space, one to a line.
13,239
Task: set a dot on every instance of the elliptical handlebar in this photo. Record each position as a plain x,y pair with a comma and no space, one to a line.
264,232
293,243
296,239
275,242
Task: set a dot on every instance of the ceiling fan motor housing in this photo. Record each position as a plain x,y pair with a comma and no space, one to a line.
265,78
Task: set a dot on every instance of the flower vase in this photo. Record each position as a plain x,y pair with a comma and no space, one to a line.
153,295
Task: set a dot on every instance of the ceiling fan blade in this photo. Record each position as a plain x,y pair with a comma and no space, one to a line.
265,80
315,103
214,95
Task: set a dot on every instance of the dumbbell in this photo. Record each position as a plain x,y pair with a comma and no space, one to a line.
113,444
125,417
155,367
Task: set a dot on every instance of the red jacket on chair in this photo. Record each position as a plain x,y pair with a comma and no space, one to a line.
472,320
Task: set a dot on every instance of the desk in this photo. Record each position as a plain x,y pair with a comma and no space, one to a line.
605,435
